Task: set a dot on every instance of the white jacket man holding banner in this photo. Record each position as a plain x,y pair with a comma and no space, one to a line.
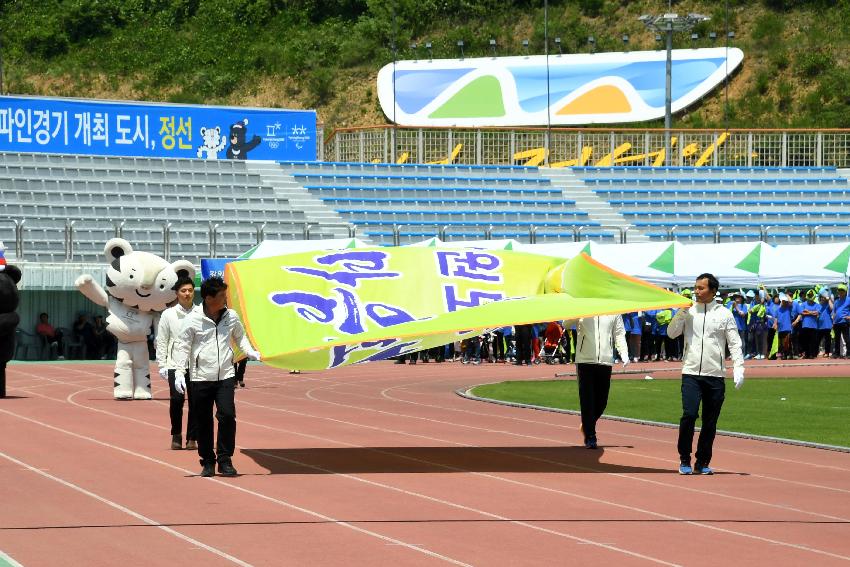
708,328
596,337
205,345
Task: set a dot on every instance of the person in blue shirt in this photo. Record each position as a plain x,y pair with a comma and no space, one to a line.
633,332
841,322
646,339
825,323
739,313
784,325
808,322
757,330
772,305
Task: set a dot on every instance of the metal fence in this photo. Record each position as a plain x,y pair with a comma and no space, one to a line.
604,147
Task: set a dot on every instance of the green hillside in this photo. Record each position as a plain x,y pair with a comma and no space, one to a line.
325,54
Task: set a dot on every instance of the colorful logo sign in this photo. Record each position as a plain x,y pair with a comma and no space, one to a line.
581,88
94,127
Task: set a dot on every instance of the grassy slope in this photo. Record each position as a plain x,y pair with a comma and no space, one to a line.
812,409
325,54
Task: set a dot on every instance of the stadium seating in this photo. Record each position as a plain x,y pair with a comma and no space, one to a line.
50,191
740,201
422,198
412,201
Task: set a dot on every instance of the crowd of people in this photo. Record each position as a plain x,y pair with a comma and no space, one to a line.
87,333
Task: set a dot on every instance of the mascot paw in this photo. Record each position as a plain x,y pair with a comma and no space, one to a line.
83,280
142,396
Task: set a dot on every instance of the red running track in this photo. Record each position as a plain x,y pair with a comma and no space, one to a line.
385,465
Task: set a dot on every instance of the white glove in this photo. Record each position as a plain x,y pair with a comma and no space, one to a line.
180,383
164,373
738,376
253,355
625,363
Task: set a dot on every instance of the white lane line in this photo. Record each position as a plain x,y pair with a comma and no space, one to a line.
576,495
392,488
5,559
127,511
240,489
311,396
496,477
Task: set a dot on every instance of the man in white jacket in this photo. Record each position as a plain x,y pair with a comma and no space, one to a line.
708,328
204,345
170,323
596,337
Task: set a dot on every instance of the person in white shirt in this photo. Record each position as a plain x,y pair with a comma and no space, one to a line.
708,328
596,337
204,344
170,323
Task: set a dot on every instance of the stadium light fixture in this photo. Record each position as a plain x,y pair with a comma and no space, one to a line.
493,46
460,46
694,36
667,24
428,47
592,41
558,43
625,39
731,35
525,46
712,36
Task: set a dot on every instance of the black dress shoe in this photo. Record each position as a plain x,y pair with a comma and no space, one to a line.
225,468
208,470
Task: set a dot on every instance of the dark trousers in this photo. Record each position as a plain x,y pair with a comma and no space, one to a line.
647,345
711,391
2,379
785,344
523,343
204,395
175,410
770,334
594,383
498,346
239,368
809,342
842,333
825,338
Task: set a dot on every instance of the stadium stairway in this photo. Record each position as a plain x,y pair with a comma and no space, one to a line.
598,209
325,222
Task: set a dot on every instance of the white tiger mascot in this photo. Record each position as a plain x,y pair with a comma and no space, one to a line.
140,286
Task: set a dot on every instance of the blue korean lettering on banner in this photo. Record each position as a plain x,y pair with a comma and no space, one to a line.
214,267
93,127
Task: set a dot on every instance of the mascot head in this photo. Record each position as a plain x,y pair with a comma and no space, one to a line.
140,279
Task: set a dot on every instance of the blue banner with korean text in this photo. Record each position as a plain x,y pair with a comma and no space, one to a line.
94,127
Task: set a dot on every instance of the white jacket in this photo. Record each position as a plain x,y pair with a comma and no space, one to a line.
595,339
170,324
708,328
206,347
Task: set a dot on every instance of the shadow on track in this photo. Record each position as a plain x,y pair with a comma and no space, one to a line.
358,460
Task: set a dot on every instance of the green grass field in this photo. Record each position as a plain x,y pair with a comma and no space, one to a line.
810,409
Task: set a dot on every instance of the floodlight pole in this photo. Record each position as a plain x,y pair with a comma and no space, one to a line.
668,23
668,95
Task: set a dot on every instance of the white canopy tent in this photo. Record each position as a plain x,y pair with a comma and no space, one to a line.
735,264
